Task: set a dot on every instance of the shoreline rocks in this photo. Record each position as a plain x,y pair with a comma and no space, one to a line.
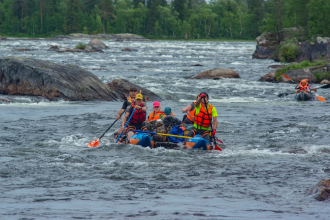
217,73
269,46
28,76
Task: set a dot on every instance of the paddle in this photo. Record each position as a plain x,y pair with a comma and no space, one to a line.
171,135
216,147
321,99
125,125
95,143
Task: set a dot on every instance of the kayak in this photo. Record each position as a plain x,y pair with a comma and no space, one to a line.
304,96
146,140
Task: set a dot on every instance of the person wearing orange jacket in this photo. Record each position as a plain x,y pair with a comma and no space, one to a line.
304,86
205,114
156,113
190,109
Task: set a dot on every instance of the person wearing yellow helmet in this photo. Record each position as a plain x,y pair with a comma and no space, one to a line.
138,118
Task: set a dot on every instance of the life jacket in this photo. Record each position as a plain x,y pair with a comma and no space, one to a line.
172,114
155,116
139,116
204,118
305,88
191,113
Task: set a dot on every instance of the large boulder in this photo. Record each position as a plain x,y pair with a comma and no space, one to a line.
269,77
28,76
263,52
298,75
217,73
322,190
313,52
122,87
96,43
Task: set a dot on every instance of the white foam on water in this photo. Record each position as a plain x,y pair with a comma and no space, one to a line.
251,153
317,149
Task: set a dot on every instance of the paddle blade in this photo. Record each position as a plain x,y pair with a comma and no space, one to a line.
94,143
285,76
216,147
220,141
321,99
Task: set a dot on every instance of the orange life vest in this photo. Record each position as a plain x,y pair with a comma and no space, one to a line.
204,118
305,88
172,114
139,116
191,113
155,116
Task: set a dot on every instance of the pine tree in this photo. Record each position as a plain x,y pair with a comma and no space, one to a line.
71,21
179,6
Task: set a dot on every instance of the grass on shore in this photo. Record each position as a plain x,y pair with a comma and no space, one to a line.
302,65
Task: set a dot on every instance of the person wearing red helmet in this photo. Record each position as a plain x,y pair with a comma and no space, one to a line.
205,116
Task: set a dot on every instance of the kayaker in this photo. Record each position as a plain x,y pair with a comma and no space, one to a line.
156,113
190,109
205,114
304,86
138,118
131,96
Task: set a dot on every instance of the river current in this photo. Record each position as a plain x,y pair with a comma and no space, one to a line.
275,151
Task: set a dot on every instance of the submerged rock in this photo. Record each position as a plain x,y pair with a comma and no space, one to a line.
28,76
129,49
53,48
217,73
269,77
322,189
22,49
122,86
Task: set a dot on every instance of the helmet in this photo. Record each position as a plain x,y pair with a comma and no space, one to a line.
205,93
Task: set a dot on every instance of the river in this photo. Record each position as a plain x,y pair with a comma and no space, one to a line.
275,151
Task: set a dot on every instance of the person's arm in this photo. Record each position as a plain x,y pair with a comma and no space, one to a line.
119,113
198,101
215,122
186,109
125,119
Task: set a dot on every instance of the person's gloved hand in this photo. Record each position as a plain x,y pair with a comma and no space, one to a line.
202,95
213,132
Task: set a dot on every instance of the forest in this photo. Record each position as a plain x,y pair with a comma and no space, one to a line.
161,19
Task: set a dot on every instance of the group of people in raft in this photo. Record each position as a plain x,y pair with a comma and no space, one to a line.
201,114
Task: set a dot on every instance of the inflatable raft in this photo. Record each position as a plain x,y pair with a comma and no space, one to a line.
145,140
304,96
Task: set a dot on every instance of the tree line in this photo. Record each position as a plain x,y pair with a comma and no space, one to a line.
175,19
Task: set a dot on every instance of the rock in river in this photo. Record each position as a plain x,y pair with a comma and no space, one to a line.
96,43
322,189
27,76
298,75
122,86
217,73
269,77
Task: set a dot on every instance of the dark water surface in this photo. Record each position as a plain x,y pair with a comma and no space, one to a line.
275,149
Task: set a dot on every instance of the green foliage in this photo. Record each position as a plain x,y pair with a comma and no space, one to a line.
321,76
289,51
182,19
81,46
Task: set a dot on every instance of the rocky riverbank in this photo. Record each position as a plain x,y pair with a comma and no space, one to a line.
292,47
33,77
